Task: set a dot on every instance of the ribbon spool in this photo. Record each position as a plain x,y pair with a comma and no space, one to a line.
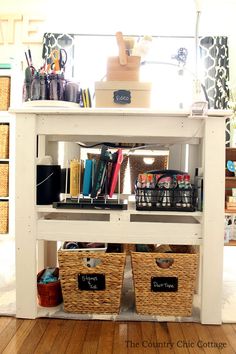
48,184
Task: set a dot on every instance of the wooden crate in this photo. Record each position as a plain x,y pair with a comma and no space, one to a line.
123,67
128,72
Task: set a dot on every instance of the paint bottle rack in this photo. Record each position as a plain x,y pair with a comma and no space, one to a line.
168,199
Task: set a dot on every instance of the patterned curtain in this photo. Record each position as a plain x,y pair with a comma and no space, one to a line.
214,52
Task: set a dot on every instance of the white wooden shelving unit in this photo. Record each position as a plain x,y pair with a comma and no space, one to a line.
34,223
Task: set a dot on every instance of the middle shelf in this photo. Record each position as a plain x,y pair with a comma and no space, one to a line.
127,226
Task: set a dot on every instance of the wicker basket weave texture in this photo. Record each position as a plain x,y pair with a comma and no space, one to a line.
178,303
4,178
3,217
5,82
71,264
4,141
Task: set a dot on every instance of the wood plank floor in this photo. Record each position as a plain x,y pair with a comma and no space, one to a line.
104,337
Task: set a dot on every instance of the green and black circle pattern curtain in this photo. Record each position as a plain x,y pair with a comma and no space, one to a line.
215,57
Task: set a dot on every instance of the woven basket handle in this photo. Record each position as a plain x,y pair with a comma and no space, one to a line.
91,262
164,263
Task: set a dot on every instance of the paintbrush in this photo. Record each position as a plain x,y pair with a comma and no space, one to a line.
129,45
142,47
28,81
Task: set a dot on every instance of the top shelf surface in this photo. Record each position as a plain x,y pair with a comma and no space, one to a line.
51,110
119,124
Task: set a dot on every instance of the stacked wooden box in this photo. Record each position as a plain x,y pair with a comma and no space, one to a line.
122,88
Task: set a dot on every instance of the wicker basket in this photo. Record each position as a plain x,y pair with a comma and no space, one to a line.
164,283
5,82
4,141
4,178
73,270
49,295
3,217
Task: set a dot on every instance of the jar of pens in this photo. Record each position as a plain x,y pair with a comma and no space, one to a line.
167,190
49,82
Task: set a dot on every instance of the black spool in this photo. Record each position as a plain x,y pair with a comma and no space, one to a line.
48,184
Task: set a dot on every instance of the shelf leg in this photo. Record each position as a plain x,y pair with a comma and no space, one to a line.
25,221
213,220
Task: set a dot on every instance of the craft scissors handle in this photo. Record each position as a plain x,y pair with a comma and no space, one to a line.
62,58
55,55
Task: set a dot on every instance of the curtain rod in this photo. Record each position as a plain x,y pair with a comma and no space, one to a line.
132,35
127,35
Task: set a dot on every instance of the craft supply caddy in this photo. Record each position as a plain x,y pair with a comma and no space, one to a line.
37,224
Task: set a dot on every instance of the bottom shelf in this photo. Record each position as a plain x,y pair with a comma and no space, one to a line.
127,308
128,315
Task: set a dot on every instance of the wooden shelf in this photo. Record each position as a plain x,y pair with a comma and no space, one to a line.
34,224
230,211
230,178
231,243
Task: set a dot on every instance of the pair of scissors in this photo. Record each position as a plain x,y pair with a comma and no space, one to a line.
62,59
59,59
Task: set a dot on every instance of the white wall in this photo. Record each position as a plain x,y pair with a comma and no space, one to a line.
154,17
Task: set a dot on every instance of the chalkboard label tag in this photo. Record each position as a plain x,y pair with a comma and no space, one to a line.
122,97
91,282
164,284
